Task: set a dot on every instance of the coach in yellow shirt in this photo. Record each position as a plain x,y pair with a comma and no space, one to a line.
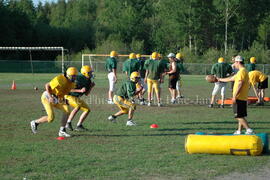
257,77
53,97
240,94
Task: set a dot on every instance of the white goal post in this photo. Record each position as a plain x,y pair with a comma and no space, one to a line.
62,49
91,56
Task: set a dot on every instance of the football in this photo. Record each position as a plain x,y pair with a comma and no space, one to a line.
211,78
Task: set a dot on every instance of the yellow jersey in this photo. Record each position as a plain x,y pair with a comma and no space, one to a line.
256,77
242,75
61,86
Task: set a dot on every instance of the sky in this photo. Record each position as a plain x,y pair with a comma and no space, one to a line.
37,1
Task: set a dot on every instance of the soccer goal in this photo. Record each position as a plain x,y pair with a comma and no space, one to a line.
95,60
31,49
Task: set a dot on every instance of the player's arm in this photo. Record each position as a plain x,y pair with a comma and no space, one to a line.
173,69
228,79
82,90
49,90
146,75
92,84
114,72
240,84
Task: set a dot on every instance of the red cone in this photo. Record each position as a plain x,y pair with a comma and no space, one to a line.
60,138
154,126
13,86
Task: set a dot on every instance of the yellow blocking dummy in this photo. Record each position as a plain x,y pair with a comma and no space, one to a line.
221,144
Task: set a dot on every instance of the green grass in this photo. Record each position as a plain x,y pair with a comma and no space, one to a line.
114,151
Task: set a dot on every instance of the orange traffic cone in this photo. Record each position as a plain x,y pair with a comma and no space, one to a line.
13,86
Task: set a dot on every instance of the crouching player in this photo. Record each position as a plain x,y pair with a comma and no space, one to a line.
123,99
83,86
53,97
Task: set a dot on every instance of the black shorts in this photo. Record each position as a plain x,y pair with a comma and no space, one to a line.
173,81
240,109
263,85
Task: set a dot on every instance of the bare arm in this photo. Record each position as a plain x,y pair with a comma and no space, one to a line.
255,91
49,90
114,72
228,79
146,74
78,90
173,68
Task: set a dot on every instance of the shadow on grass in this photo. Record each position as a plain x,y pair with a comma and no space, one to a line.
226,122
130,135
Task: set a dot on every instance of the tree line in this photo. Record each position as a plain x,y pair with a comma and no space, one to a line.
202,30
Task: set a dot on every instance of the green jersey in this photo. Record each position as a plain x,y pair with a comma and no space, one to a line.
111,63
180,66
154,69
221,70
250,67
164,65
131,65
81,82
127,89
142,70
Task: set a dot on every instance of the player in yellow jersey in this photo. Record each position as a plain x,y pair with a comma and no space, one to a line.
53,97
257,77
240,95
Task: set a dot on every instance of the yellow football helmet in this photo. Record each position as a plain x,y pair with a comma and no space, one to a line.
252,60
154,55
135,76
138,56
72,72
132,56
113,54
86,71
179,56
221,60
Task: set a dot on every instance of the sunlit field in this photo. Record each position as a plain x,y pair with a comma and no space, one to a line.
112,150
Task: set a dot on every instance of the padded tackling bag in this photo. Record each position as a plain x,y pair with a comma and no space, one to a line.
215,144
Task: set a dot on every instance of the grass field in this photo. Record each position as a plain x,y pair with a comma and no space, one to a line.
114,151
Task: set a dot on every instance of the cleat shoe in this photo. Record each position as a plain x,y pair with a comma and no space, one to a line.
110,102
210,105
222,106
112,119
249,131
33,127
237,133
159,104
131,123
69,126
63,134
173,101
149,104
81,128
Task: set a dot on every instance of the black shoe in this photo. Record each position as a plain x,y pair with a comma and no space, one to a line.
69,126
222,106
81,128
210,105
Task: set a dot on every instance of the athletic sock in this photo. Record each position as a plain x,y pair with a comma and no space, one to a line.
62,128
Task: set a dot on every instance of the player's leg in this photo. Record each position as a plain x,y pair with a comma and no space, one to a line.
86,110
111,87
223,91
73,102
157,91
49,118
150,89
119,101
63,107
214,93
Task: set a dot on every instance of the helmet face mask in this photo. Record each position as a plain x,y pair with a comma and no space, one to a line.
71,73
86,71
72,78
135,77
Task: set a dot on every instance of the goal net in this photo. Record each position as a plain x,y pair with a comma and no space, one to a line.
18,55
97,61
